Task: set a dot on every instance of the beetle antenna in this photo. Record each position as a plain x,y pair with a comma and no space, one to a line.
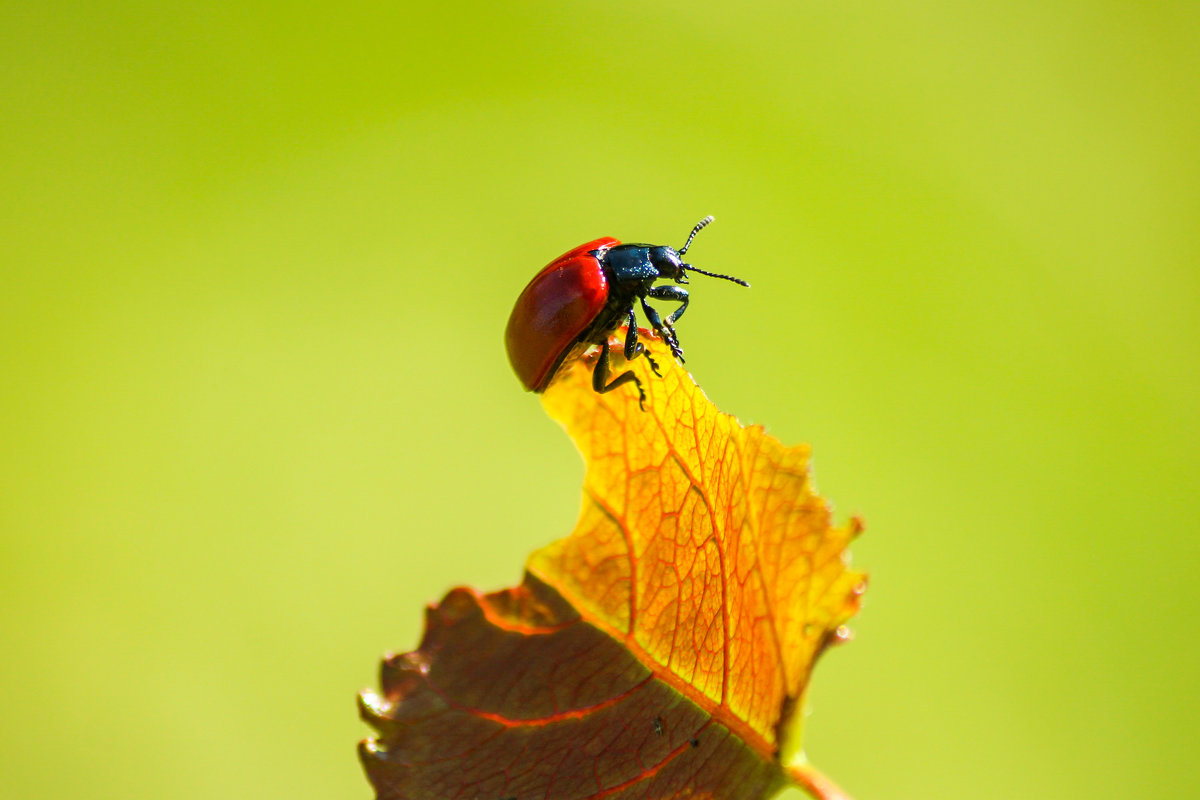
715,275
701,225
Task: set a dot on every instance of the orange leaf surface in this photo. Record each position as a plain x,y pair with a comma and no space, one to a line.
661,650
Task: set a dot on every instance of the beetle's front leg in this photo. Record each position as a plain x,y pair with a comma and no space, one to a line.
671,292
634,348
667,333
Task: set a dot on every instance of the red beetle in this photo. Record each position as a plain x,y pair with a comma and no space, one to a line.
584,295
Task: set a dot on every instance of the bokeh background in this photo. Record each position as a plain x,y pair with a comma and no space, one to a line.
255,265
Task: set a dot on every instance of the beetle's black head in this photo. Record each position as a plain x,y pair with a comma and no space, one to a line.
668,263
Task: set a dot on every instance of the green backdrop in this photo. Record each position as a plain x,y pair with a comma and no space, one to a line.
255,265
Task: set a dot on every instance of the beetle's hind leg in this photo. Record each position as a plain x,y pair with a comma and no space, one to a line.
634,348
600,377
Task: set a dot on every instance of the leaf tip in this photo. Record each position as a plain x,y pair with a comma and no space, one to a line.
400,674
377,712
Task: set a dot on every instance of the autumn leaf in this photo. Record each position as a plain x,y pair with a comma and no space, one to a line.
661,650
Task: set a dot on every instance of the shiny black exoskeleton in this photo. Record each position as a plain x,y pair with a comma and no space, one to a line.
631,270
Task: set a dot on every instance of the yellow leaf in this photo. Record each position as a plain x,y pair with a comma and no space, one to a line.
703,546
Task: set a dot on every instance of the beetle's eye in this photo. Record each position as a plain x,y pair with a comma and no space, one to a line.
674,264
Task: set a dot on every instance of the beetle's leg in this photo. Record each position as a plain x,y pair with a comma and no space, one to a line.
634,348
664,331
671,292
653,363
600,377
679,295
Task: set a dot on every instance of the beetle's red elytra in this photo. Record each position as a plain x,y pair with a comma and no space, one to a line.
557,306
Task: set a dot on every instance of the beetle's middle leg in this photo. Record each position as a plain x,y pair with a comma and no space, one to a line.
634,348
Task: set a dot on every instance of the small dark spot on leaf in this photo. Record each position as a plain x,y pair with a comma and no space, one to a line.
695,742
658,725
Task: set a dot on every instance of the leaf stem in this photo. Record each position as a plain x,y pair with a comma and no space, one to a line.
810,779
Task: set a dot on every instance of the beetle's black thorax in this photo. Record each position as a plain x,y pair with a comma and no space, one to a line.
630,264
630,273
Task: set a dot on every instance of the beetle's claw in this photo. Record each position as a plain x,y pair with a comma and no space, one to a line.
673,343
653,363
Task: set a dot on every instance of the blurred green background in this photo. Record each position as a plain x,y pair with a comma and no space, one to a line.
255,265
